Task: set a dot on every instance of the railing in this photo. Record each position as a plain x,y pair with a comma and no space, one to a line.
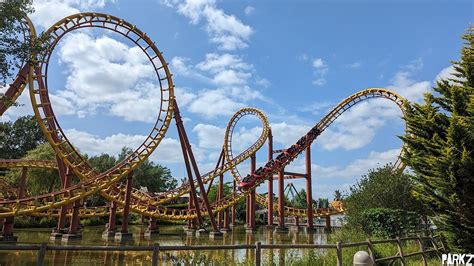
258,246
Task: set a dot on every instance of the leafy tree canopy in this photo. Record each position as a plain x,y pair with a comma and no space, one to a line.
381,188
154,177
39,181
14,47
17,138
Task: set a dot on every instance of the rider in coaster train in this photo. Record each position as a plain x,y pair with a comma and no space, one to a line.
283,157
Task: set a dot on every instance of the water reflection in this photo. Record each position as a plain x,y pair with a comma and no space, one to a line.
169,235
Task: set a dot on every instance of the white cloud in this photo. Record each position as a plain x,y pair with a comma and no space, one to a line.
318,63
319,82
106,75
222,70
331,177
316,108
209,136
212,137
354,169
228,73
303,57
227,31
263,82
414,65
169,150
249,10
212,103
180,66
448,74
358,126
412,90
48,12
23,108
321,69
183,96
215,63
355,65
288,134
231,77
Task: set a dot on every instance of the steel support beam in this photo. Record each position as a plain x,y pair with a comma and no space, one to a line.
73,227
220,195
233,206
252,195
112,216
281,200
126,207
188,152
309,191
270,183
65,175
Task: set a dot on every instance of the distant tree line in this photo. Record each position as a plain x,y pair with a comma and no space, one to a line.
24,139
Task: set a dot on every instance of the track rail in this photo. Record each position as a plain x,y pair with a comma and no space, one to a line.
35,76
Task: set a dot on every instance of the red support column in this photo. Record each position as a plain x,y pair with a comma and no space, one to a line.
152,229
110,229
233,206
191,225
252,198
126,207
220,195
309,191
328,224
188,151
74,218
270,183
8,224
226,220
152,224
247,210
65,176
7,230
124,234
281,201
192,193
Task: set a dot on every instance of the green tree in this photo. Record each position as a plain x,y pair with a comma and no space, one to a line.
39,181
337,195
299,200
102,162
16,138
212,196
439,148
380,188
155,177
14,48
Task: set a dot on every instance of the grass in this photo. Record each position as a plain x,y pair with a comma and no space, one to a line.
348,235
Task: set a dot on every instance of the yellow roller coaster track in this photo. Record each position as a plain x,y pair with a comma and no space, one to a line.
105,183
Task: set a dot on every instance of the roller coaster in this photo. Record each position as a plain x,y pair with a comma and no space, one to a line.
122,197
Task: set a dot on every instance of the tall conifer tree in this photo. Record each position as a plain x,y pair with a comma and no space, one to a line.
439,148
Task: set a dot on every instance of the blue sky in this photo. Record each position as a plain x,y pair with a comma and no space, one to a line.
294,60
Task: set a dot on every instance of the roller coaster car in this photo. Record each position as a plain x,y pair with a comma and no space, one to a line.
280,158
247,181
258,173
301,142
291,150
